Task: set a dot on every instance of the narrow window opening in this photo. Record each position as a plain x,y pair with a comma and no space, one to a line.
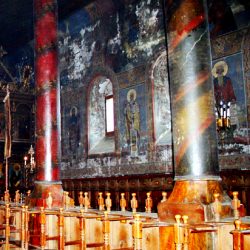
109,117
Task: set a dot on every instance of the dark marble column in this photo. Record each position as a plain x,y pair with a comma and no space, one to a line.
47,105
192,105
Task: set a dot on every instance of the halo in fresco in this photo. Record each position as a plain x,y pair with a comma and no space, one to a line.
131,91
220,64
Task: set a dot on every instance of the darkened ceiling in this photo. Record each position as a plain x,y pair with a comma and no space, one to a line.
16,16
16,19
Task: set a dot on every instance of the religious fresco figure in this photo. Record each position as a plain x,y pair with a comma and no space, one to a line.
223,87
132,122
230,100
225,98
73,130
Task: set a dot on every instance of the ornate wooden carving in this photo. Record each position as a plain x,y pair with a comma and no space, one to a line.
232,180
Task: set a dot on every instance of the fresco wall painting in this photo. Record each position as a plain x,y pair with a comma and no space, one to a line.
125,47
229,89
124,39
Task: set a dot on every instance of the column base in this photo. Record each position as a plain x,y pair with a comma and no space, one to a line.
193,198
40,193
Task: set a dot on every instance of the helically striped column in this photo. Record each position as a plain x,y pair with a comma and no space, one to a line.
47,105
193,120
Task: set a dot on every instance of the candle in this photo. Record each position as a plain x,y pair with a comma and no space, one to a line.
228,109
25,160
221,109
224,111
216,113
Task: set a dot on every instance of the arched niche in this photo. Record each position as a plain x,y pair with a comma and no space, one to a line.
98,141
161,101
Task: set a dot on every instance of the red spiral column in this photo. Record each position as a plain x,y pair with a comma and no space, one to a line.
47,105
196,164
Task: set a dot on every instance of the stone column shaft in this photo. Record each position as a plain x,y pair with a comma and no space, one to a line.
192,105
47,104
192,97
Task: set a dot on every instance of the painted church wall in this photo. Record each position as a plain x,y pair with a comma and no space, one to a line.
122,43
126,44
233,51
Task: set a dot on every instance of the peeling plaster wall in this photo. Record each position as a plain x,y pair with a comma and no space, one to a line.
161,101
96,116
125,42
118,41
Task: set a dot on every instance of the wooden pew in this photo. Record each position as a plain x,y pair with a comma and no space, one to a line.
239,236
62,222
13,227
82,228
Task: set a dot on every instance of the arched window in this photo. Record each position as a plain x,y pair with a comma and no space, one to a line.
101,117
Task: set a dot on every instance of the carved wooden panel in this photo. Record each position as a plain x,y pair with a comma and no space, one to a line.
233,180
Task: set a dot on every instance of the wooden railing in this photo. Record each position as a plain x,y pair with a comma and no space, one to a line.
81,227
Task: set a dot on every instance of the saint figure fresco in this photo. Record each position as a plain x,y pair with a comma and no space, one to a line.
73,130
223,86
132,122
